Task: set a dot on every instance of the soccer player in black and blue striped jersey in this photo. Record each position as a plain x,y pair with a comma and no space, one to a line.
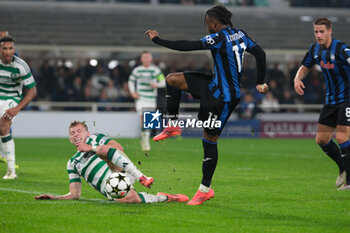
219,92
333,56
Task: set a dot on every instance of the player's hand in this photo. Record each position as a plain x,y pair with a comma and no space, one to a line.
45,197
299,86
154,85
135,96
262,88
151,34
10,113
83,147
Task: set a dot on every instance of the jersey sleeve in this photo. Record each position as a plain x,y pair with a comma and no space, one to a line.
211,41
25,75
160,78
346,53
72,174
102,139
309,60
133,75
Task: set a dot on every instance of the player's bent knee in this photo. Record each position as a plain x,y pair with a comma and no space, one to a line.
175,79
171,79
4,129
322,141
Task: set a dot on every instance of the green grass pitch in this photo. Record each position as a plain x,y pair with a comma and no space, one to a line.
261,185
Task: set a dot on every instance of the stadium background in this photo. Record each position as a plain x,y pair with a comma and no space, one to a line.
81,54
261,185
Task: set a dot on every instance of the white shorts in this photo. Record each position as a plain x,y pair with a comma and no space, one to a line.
7,104
145,105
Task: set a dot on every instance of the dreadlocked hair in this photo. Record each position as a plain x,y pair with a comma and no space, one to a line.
220,13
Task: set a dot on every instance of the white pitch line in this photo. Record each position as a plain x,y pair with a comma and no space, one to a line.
18,191
39,193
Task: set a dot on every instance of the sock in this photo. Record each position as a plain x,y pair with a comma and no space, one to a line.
345,154
120,159
150,198
173,98
204,189
332,150
8,148
2,150
145,135
209,161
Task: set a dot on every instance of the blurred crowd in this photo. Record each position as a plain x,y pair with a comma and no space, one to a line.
58,81
320,3
279,78
197,2
292,3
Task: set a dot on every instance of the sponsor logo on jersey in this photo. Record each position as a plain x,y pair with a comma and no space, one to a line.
14,76
327,65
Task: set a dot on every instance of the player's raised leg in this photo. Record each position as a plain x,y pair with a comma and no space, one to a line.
175,83
120,159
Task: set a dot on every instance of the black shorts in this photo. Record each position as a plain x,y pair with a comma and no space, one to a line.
211,109
333,115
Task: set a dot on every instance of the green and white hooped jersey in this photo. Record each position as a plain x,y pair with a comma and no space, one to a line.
142,77
13,77
89,166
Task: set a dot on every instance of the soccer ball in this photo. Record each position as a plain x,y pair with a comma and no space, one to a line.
118,185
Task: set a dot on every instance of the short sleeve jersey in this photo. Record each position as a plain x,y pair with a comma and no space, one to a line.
13,77
335,64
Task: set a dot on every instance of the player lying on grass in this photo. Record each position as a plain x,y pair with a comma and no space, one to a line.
97,157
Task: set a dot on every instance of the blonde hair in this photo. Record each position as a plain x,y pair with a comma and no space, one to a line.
75,123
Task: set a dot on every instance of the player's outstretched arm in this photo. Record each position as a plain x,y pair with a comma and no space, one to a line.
74,193
180,45
298,84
